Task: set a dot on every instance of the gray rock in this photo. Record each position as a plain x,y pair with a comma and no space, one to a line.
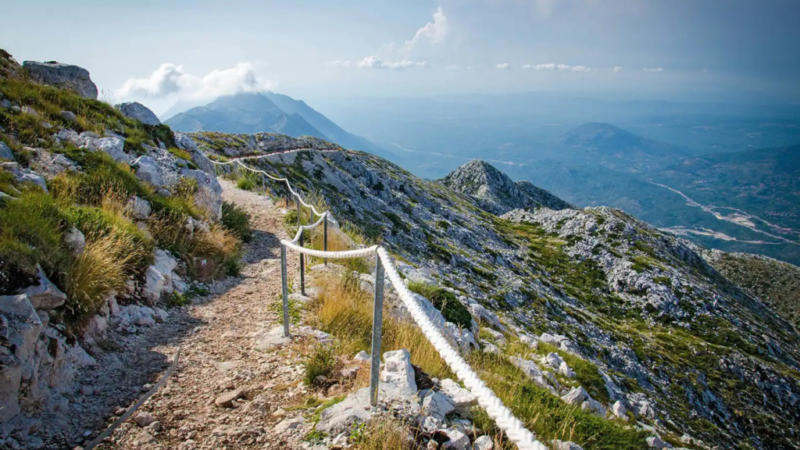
143,419
139,207
23,329
565,370
457,440
483,443
114,146
397,371
144,438
63,75
29,111
69,116
184,142
45,295
138,111
361,357
273,338
437,405
620,411
576,396
657,443
226,400
154,285
462,399
339,417
148,170
5,152
209,192
30,177
565,445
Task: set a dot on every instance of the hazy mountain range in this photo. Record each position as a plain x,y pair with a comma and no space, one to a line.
696,185
251,113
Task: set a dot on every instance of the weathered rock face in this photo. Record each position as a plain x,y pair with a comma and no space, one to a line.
5,152
44,295
209,193
63,75
38,368
496,192
138,111
185,142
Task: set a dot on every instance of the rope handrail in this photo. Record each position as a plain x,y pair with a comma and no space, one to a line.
503,417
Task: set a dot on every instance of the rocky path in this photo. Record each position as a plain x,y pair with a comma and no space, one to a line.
233,386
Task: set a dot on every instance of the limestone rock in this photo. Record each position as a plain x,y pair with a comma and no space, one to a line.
69,116
45,295
620,411
138,111
483,443
274,337
226,400
143,419
457,440
437,405
657,443
75,240
5,152
139,207
361,357
63,75
462,399
565,445
209,192
398,372
148,170
114,146
576,396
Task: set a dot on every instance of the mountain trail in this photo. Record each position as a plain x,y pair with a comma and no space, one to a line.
226,393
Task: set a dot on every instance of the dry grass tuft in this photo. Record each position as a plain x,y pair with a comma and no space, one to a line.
383,433
345,311
102,267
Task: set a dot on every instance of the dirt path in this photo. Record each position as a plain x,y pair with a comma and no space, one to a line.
219,358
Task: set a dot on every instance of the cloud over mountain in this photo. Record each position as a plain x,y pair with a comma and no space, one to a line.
172,79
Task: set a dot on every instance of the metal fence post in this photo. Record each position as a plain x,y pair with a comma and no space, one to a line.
325,235
302,267
285,283
377,324
297,200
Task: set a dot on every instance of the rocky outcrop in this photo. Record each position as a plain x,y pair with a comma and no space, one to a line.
44,295
64,76
209,192
138,111
496,192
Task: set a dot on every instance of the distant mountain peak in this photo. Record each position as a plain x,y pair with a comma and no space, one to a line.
497,192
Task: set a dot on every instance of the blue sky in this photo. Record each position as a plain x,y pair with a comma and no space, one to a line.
159,52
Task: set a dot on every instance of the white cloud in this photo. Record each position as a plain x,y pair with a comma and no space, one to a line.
617,69
171,79
433,32
373,62
653,69
503,66
557,67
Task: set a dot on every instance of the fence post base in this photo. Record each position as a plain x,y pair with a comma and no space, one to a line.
377,330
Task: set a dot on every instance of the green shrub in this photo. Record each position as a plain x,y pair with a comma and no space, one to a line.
445,301
92,221
320,363
246,184
236,220
31,229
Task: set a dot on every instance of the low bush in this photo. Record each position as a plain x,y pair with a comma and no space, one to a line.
236,220
445,301
93,221
246,184
320,363
31,229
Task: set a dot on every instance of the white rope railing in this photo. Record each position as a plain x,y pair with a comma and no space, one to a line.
503,417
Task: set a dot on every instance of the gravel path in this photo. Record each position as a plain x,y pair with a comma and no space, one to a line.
218,336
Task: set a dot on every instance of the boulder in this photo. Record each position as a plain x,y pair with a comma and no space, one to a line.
657,443
565,370
209,192
565,445
483,443
457,440
496,336
437,405
114,146
576,396
30,177
154,284
139,207
23,327
226,400
272,338
144,419
5,152
138,111
45,295
148,170
462,399
361,357
75,240
62,75
553,360
398,372
184,142
69,116
339,417
593,406
620,411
